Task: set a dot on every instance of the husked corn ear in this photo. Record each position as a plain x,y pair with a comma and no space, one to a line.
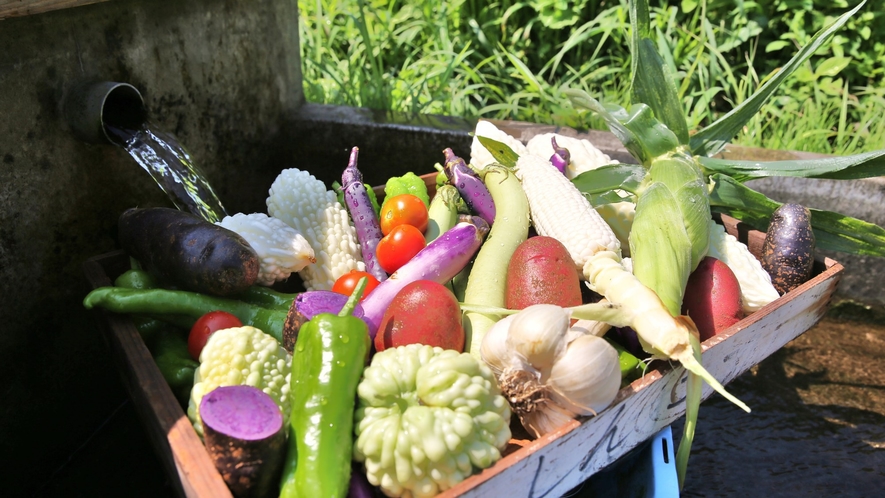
560,211
756,287
584,155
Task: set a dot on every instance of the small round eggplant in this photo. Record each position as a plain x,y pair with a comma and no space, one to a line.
788,248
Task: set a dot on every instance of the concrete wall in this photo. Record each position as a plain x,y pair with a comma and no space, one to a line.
222,75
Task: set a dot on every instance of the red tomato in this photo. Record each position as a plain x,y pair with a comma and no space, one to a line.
347,283
398,247
403,209
205,326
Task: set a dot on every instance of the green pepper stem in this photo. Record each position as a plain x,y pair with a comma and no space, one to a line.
354,298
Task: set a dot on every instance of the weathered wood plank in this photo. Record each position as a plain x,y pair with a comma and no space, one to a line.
169,430
19,8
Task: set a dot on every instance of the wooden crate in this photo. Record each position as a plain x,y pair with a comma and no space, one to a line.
548,466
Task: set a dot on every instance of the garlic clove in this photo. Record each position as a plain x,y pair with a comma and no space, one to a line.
494,350
590,327
587,377
538,334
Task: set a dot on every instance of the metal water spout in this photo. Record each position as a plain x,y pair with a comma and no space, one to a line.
108,112
94,110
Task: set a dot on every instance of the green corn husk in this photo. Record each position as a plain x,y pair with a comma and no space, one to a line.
672,225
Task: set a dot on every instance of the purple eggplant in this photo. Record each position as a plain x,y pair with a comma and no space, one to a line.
561,156
471,187
440,261
368,228
359,484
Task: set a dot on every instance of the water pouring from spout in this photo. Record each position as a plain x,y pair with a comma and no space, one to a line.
110,112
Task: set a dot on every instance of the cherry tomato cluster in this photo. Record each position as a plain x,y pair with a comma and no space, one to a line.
404,219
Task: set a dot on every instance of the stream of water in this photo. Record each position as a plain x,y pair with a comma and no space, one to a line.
170,165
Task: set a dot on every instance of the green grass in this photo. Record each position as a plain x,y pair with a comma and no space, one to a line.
512,60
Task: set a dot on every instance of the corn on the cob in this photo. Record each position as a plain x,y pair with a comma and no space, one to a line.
479,156
558,210
756,287
584,156
303,202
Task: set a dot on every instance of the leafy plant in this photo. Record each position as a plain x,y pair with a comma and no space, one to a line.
682,184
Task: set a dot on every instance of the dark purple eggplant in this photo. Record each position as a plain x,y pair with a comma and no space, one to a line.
187,251
788,248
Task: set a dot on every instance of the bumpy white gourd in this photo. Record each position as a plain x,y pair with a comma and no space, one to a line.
281,249
304,203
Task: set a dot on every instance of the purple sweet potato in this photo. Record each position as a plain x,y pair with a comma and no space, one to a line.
308,305
245,437
187,251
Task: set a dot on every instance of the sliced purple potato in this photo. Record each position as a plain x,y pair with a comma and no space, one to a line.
245,437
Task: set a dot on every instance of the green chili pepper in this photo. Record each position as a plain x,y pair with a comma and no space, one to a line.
175,363
410,183
136,279
174,304
267,297
328,361
167,345
632,367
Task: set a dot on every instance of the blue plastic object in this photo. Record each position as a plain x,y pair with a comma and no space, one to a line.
649,471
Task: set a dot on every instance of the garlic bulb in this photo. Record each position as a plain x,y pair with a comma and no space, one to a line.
551,373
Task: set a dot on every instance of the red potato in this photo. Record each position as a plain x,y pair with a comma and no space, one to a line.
423,312
541,271
712,298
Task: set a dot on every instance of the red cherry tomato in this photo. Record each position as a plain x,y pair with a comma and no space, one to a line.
347,283
398,247
403,209
205,326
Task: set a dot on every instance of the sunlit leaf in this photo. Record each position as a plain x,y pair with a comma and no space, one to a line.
775,46
500,151
832,66
610,177
637,128
652,82
867,165
832,231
